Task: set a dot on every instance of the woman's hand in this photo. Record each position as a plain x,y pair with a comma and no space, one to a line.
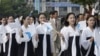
92,39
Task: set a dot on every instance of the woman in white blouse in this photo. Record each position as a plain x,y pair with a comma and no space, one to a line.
71,37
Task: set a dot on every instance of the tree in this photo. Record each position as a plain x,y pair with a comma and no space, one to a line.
13,7
85,3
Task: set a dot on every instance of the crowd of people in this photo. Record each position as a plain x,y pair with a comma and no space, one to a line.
68,36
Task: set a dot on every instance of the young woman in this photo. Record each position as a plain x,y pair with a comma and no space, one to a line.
3,37
33,26
44,36
87,38
32,20
13,45
25,40
71,37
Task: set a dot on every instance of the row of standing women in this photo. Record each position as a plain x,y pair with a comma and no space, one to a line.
29,39
78,41
26,39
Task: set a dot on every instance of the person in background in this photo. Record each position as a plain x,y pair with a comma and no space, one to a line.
32,20
80,17
10,19
35,38
82,24
3,40
50,15
3,21
96,16
97,37
87,38
56,24
0,21
62,21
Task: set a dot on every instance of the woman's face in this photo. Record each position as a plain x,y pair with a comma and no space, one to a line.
31,20
42,18
71,19
26,21
81,17
10,19
91,21
3,21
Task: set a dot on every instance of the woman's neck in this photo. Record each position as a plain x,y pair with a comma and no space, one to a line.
91,27
26,26
73,26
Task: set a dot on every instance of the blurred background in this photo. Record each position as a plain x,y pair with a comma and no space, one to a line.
26,7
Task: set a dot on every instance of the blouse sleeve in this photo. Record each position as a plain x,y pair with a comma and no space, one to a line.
20,39
64,39
84,42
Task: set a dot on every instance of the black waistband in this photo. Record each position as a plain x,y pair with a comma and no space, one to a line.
75,36
88,38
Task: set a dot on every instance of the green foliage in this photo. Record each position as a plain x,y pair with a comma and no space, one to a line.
13,7
35,13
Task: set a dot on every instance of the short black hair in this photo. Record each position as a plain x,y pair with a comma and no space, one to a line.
53,12
79,15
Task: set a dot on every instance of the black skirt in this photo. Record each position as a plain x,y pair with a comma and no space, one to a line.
91,53
39,50
14,46
30,49
1,53
68,52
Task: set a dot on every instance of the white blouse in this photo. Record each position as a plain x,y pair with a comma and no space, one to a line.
68,32
85,34
41,28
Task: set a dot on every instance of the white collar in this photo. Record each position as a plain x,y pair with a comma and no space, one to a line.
90,29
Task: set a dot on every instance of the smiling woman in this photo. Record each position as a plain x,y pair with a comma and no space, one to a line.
44,37
71,36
